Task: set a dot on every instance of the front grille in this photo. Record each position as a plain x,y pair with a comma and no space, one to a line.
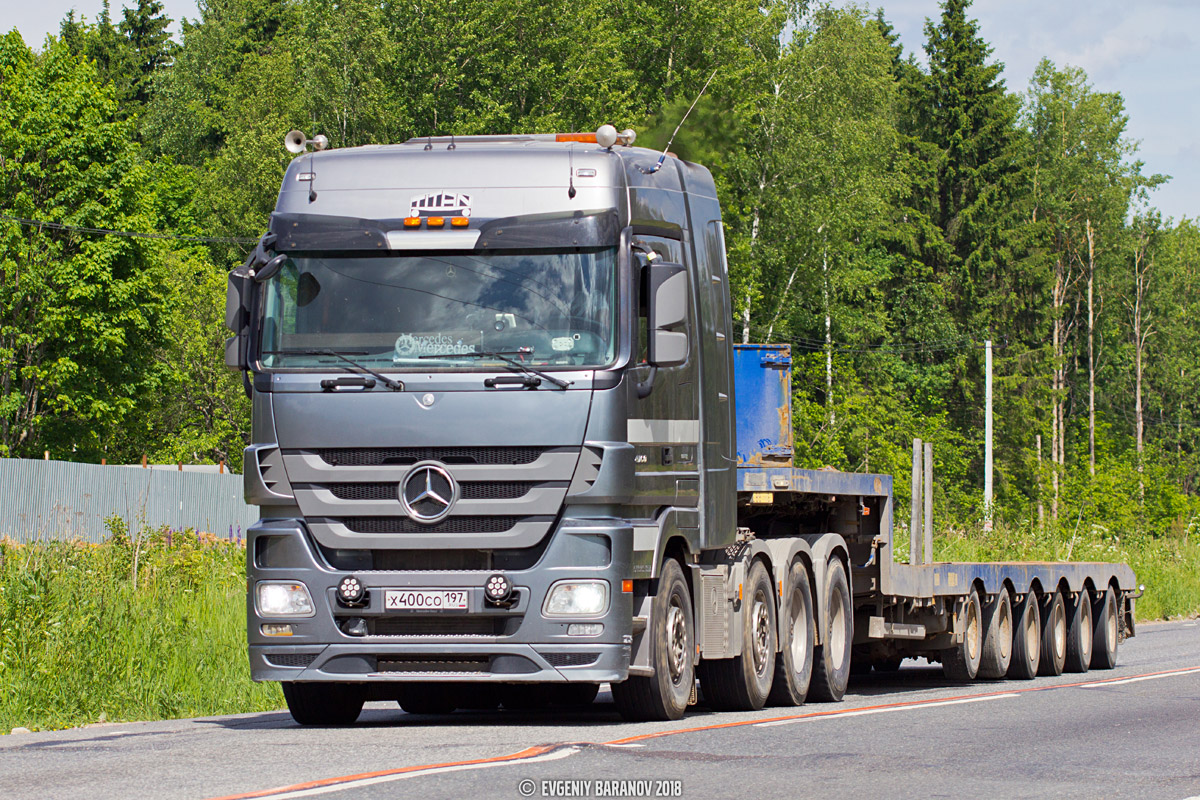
481,524
433,663
474,490
441,625
570,659
378,456
290,659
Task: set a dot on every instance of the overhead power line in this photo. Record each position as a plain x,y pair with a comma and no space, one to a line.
59,226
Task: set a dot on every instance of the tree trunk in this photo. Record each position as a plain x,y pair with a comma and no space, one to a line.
1056,425
828,334
1091,349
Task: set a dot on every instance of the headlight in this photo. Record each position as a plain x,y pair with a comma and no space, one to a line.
576,599
283,599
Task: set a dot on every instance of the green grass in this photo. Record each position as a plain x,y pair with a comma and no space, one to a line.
87,637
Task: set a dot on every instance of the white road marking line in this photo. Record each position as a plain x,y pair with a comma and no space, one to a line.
631,744
1102,684
339,787
866,711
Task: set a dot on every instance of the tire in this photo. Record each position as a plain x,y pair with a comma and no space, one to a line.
1054,636
831,660
1079,633
1027,639
1106,633
427,698
665,694
997,637
961,662
744,682
793,665
572,695
329,704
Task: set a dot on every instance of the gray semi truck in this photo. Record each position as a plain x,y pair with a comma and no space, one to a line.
506,450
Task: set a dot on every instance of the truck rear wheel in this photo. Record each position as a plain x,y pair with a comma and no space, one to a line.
831,660
1054,636
743,683
665,694
997,637
1079,633
961,662
793,665
1107,633
324,703
1027,639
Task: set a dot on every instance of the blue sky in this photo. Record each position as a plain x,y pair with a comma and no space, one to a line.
1148,50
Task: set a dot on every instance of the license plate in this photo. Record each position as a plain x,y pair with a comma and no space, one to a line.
425,599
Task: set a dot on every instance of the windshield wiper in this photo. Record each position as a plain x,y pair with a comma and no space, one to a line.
395,386
503,355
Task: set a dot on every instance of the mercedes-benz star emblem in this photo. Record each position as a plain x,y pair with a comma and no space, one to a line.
428,493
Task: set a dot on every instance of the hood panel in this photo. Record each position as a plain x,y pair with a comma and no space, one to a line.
511,417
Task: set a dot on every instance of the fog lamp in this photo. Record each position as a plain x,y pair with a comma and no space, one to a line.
351,592
498,588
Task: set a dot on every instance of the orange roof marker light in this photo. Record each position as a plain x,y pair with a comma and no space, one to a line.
460,222
435,222
605,136
412,222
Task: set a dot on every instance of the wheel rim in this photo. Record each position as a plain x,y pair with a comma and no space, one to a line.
799,644
1060,632
1085,629
974,642
1110,624
1031,634
762,633
1006,632
677,641
837,632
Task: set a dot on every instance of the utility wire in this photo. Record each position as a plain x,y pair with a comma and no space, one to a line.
59,226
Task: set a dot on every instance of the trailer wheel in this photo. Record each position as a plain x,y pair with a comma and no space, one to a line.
324,703
961,662
1054,636
831,660
1079,633
793,666
427,698
744,682
997,637
1027,639
1107,635
665,694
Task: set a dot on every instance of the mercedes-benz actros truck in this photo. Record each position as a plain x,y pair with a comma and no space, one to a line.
506,451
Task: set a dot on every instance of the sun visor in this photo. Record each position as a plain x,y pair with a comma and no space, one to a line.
318,232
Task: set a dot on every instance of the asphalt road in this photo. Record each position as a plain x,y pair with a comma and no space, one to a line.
1133,732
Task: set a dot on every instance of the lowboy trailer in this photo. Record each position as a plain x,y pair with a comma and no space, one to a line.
506,451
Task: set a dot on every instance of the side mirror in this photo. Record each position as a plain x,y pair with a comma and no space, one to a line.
667,314
237,317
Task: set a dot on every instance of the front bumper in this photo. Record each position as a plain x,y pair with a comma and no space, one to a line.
522,646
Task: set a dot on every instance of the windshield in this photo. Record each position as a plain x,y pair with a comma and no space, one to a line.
421,311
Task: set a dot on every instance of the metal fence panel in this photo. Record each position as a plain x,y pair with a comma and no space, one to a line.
42,500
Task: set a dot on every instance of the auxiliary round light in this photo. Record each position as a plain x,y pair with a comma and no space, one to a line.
498,588
351,591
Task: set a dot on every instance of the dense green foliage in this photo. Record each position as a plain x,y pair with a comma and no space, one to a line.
150,628
885,217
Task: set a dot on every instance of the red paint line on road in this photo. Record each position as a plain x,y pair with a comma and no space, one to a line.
542,749
908,704
296,787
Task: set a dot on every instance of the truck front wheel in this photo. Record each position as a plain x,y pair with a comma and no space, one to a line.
324,703
831,660
665,694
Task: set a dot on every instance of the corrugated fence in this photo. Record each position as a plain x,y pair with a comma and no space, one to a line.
42,500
